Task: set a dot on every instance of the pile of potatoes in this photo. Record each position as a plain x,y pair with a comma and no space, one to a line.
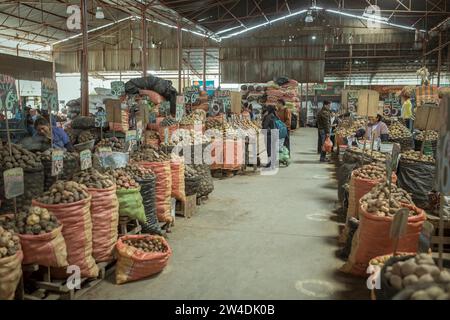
370,172
123,179
420,269
399,131
147,244
9,243
414,156
377,200
138,172
68,157
375,155
380,261
64,192
36,221
20,158
85,136
114,143
72,135
187,120
150,134
91,178
150,154
189,172
431,135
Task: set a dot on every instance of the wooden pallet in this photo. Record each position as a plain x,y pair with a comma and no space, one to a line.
56,289
435,240
186,209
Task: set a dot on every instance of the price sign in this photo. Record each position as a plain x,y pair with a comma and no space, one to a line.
118,88
100,119
86,159
104,153
130,139
166,136
13,181
8,93
49,94
180,108
57,162
399,224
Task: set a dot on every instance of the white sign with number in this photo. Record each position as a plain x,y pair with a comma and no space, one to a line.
86,159
13,181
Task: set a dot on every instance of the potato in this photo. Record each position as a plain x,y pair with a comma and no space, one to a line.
408,268
420,295
410,280
396,282
426,278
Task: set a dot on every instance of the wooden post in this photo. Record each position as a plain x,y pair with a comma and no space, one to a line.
84,61
204,63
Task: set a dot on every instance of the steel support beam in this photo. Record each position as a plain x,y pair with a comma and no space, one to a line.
84,61
144,41
204,63
180,54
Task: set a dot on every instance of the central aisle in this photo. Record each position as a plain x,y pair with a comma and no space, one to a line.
257,237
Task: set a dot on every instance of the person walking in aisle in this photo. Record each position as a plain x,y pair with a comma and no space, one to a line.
323,126
268,123
285,115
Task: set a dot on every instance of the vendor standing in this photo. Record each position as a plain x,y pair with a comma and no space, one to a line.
285,115
60,138
407,112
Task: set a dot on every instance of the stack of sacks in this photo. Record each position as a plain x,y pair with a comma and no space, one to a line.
252,93
288,92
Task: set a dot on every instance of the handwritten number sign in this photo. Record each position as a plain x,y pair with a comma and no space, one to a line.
49,94
57,162
13,181
86,159
8,93
117,88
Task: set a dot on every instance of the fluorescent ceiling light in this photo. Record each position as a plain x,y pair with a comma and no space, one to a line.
228,29
313,37
264,24
371,19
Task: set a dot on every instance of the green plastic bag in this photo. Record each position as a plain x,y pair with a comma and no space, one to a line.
130,204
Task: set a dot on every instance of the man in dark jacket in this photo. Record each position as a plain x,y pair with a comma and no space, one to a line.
323,126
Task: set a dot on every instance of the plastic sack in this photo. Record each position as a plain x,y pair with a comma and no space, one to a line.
192,185
206,182
178,184
148,193
77,232
418,179
233,154
82,122
372,239
154,97
10,274
48,249
133,264
282,80
163,188
105,221
358,188
130,203
170,131
327,145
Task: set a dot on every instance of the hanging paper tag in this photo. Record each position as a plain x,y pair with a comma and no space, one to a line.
57,162
399,224
166,136
100,119
13,181
86,159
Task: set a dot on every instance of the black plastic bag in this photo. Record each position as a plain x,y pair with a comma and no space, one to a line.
148,194
344,173
82,122
352,224
418,179
282,80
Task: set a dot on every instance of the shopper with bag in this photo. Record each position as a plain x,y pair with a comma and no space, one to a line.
323,126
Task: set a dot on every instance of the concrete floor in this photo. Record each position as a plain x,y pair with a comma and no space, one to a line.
257,237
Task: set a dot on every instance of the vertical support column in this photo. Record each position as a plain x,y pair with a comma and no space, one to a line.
306,103
188,68
439,60
18,86
204,63
53,65
180,54
144,41
84,61
350,65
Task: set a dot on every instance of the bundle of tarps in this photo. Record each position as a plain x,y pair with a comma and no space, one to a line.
156,84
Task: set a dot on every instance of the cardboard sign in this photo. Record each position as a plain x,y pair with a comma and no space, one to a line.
399,224
117,88
8,93
180,108
100,119
13,181
85,159
49,94
57,162
166,135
